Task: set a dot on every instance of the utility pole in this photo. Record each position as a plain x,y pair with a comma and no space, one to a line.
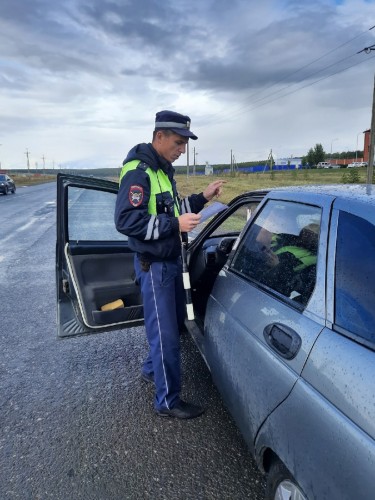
44,163
231,161
195,154
28,161
370,166
271,158
234,164
187,159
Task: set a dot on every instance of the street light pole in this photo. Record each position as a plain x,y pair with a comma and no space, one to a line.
331,147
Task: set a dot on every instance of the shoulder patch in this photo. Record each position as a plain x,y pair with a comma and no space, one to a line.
135,195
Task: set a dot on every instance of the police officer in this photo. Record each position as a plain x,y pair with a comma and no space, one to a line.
150,212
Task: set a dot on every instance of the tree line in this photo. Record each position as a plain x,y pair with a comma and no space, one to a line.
317,154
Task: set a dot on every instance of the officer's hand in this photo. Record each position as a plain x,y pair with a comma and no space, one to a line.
188,222
214,189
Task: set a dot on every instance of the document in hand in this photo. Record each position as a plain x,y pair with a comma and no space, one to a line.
212,210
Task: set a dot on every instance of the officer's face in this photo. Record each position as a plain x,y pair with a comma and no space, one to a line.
170,147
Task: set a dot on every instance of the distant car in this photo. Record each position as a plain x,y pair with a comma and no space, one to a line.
284,318
7,184
324,164
357,164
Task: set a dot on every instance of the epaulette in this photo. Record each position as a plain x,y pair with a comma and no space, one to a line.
143,166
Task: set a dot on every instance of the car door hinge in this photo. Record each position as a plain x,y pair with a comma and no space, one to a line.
65,286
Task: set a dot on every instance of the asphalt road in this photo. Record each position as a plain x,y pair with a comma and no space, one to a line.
76,419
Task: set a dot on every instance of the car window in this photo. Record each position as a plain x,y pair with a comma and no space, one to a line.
355,276
234,223
279,250
91,215
237,220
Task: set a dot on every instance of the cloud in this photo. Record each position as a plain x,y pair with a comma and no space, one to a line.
82,79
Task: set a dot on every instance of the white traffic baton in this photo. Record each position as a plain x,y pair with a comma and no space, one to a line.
186,280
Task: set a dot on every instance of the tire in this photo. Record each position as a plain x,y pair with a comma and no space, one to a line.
14,190
281,485
6,190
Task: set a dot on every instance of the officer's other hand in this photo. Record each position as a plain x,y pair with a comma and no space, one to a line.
214,189
188,222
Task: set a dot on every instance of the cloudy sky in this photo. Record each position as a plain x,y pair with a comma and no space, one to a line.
81,80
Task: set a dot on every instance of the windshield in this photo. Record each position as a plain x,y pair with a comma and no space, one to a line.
2,178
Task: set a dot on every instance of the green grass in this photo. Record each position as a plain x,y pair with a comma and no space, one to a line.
240,183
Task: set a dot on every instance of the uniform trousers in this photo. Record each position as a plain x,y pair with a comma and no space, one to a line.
164,311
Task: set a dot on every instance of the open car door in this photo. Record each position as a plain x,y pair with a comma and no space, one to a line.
209,251
94,266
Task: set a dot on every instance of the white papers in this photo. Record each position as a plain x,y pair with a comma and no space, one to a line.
212,210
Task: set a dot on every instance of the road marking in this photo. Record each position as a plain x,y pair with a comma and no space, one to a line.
27,225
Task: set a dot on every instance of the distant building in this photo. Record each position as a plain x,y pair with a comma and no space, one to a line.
366,146
297,162
208,169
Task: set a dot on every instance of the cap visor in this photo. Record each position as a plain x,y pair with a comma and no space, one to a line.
184,133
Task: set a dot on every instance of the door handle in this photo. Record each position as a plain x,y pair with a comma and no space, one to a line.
282,339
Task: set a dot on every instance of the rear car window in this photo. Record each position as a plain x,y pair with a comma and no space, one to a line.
355,276
280,249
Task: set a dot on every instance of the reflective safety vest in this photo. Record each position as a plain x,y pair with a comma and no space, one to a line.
306,257
159,183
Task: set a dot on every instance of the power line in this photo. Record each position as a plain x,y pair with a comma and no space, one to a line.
298,89
316,60
367,49
242,109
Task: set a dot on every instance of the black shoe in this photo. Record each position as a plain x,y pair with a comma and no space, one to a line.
181,410
147,378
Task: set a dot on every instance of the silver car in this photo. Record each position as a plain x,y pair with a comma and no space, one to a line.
284,300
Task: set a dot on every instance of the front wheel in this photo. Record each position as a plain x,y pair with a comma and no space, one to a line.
281,485
6,190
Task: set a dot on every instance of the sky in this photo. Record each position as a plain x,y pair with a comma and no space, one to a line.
82,80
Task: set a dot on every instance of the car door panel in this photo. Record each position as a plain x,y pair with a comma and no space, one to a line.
257,341
100,279
94,265
240,357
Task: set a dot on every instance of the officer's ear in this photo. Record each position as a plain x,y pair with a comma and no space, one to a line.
158,136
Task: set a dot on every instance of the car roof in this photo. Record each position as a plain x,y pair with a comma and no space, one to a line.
364,193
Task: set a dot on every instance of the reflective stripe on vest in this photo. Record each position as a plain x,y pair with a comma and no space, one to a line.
159,183
305,256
